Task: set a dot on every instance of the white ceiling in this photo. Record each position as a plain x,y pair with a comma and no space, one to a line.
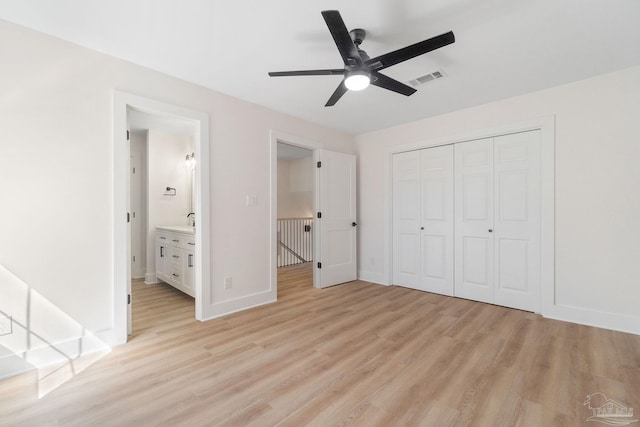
503,47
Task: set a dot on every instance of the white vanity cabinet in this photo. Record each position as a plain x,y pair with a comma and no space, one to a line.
175,246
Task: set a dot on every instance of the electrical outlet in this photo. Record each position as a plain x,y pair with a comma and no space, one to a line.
227,283
6,326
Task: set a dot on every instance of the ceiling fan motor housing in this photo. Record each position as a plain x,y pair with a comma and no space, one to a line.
363,55
358,35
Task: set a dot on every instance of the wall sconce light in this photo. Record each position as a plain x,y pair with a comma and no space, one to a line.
190,160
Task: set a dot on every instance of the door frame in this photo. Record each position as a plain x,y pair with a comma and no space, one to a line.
122,101
546,125
275,137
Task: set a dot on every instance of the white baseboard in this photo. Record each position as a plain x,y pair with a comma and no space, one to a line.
595,318
150,279
224,308
373,277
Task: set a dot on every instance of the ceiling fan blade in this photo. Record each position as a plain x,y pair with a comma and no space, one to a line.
340,90
385,82
388,59
332,72
348,50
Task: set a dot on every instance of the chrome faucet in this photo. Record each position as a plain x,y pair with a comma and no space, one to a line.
192,217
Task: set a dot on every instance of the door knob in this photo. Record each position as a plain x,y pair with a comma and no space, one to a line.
491,230
421,228
353,224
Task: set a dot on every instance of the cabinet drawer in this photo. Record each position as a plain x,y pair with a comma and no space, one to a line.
178,240
189,243
176,272
174,255
175,240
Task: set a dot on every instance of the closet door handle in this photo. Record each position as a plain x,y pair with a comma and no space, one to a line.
161,251
190,261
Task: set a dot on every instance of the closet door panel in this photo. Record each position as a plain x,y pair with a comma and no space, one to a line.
512,266
406,219
476,268
474,201
434,258
517,225
437,220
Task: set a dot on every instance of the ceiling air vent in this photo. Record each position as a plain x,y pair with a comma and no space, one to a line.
427,78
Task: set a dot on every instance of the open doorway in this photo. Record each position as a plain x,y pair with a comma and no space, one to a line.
290,147
334,213
123,104
295,198
162,205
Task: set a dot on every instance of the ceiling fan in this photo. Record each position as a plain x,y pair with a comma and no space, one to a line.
359,70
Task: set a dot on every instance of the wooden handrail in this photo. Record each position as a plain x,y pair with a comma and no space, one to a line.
287,219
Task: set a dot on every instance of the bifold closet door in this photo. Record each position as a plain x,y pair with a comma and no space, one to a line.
423,219
474,220
406,219
436,225
517,220
497,230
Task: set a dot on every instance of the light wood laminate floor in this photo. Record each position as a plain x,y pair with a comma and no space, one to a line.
355,354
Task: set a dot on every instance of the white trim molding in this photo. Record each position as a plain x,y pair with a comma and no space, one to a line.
223,308
275,137
122,101
372,277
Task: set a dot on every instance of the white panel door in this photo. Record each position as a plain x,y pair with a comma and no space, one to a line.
337,203
436,254
406,219
474,220
137,236
128,247
517,220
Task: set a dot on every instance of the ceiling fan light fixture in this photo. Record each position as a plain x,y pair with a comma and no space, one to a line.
359,68
357,80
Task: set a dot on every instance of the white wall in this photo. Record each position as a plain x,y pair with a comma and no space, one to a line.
56,170
295,188
597,201
166,168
